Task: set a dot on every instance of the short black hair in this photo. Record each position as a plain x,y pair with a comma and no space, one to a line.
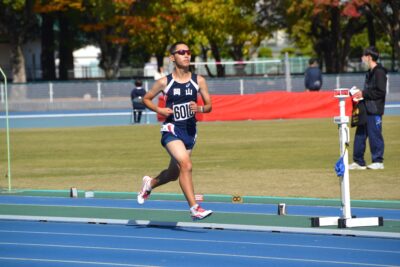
312,61
138,83
371,51
173,47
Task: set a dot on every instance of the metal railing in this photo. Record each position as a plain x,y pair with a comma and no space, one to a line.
116,94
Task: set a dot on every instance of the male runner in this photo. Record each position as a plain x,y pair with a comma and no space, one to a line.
179,133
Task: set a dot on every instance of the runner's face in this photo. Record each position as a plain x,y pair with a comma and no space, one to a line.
181,56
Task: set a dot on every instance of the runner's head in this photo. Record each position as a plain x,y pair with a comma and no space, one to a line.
180,54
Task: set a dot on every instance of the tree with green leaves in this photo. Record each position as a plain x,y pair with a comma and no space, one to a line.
328,26
224,28
104,24
114,26
161,18
386,14
19,24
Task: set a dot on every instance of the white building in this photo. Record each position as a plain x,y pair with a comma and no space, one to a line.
86,62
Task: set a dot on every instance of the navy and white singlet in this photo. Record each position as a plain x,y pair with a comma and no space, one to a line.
181,125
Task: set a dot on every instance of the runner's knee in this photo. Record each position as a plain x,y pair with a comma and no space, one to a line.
186,165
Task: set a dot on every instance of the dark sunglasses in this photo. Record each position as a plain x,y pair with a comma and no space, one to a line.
182,52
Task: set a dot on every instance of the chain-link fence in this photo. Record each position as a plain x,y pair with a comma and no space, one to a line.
253,67
83,95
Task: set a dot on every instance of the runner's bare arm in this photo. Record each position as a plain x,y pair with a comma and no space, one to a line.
158,86
207,107
204,94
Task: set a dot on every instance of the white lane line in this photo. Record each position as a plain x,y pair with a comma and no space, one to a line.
201,240
70,261
204,225
64,115
197,253
392,106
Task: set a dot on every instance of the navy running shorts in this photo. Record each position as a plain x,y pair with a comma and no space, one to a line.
170,133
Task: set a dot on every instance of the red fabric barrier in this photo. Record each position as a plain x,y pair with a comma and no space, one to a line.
272,105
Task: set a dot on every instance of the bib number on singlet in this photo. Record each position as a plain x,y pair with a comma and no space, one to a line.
182,112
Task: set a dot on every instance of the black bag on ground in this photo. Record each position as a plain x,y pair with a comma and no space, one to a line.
359,114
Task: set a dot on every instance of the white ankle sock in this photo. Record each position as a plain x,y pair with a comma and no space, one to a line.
194,207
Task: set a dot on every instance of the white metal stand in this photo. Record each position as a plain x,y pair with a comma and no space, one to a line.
7,130
347,220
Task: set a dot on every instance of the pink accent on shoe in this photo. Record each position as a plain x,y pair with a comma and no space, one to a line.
198,213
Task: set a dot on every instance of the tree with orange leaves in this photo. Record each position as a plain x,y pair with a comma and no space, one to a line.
105,23
108,23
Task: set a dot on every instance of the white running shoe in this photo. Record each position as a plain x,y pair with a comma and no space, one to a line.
376,166
145,192
198,213
356,166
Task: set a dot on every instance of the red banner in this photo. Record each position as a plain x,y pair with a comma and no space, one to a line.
272,105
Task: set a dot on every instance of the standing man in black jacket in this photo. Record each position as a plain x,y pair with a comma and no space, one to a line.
137,95
373,96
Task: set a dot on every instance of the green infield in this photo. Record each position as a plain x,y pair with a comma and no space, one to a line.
282,158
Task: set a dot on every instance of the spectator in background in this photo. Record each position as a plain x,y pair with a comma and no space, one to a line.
373,96
313,76
137,95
